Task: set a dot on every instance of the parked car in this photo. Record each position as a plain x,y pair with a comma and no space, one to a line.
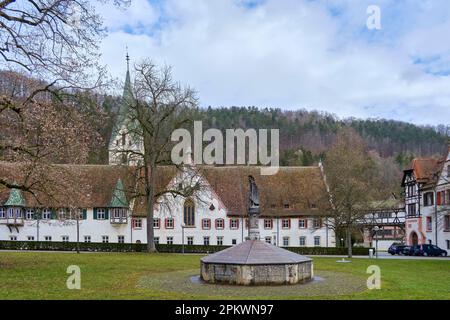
408,250
428,250
396,248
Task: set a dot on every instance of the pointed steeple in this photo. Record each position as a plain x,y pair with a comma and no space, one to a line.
15,199
123,111
127,87
119,200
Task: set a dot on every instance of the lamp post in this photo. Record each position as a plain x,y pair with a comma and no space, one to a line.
375,229
182,237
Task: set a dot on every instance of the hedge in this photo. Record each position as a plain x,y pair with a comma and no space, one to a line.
168,248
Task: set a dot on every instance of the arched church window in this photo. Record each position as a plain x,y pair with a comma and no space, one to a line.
189,213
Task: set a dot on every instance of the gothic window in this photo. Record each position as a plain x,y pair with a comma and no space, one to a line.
124,137
189,213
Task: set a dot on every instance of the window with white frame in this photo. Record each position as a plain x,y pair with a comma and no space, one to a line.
101,214
286,223
234,223
156,223
220,223
29,214
169,223
121,239
105,239
19,213
302,241
65,238
46,214
268,223
190,241
62,213
30,238
302,224
269,240
285,241
10,213
317,223
87,239
206,224
156,240
220,241
169,240
48,238
233,241
138,223
317,241
206,241
2,213
13,238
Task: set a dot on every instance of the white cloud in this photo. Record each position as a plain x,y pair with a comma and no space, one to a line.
294,54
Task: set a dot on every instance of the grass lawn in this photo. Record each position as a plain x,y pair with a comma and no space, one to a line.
35,275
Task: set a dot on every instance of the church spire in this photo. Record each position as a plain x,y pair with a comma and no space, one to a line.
127,86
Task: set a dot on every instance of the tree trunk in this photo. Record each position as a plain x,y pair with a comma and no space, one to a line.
150,181
349,241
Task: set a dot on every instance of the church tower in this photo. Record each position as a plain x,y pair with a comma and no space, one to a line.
125,140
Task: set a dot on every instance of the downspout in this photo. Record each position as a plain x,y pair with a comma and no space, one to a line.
278,231
242,230
435,218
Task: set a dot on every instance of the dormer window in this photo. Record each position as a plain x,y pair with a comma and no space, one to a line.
46,214
29,214
62,214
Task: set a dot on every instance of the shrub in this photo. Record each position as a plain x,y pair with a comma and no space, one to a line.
167,248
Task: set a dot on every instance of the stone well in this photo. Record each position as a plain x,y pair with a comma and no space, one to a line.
255,262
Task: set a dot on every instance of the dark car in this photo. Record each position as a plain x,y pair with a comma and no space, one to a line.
396,248
408,250
428,250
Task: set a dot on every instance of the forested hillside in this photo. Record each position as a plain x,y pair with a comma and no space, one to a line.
305,136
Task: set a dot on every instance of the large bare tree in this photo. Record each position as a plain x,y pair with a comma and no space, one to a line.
157,106
350,174
49,54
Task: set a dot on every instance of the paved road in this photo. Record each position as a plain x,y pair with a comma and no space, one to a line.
385,255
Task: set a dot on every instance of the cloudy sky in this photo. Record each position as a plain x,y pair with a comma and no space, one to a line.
295,54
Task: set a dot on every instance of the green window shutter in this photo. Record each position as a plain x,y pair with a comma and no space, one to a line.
53,213
84,214
106,213
95,213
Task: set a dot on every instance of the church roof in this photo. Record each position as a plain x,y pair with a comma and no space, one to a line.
293,191
124,109
254,252
86,186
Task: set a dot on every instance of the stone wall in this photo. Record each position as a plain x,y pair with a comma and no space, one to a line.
257,274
